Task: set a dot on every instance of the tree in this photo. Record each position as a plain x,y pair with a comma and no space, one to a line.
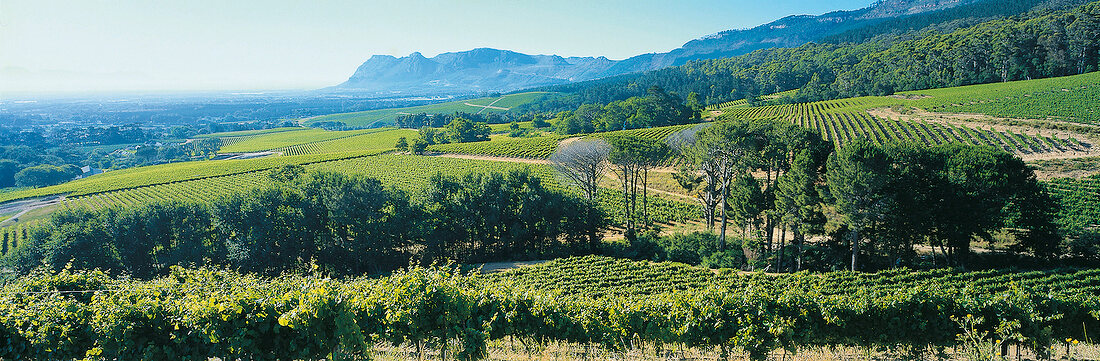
539,122
633,158
726,149
402,144
431,136
798,201
8,169
418,146
42,175
857,177
583,163
695,176
287,173
983,185
368,228
489,216
462,130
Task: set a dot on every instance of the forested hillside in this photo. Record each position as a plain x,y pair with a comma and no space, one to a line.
1040,44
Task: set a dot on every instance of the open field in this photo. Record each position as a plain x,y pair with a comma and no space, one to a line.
378,117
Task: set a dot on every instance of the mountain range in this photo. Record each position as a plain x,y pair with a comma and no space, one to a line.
492,70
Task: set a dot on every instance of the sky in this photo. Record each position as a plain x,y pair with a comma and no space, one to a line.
158,45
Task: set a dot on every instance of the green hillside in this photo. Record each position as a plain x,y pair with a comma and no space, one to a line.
386,116
1072,98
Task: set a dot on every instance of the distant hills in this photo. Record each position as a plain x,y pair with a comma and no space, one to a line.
494,70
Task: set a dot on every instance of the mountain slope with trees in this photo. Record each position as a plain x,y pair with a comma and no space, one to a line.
1040,44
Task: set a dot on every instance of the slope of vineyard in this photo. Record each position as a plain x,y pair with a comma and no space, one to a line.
273,141
375,140
543,146
598,276
1072,98
387,116
406,172
172,172
534,147
1079,200
841,121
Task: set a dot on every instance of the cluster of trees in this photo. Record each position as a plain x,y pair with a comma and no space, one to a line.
1041,44
343,224
421,120
656,109
459,130
781,185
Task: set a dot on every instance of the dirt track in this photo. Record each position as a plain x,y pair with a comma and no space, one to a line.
21,207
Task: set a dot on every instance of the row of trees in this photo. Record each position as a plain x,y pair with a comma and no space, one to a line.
346,225
781,185
421,120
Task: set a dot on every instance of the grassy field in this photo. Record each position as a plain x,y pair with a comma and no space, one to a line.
386,116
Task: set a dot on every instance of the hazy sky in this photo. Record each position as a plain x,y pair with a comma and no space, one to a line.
77,45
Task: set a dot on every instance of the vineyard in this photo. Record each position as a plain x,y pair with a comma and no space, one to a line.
409,173
542,147
203,314
1079,200
172,172
377,140
597,277
278,140
535,147
1071,98
841,121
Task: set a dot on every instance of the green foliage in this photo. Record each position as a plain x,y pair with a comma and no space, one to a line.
1039,44
462,130
45,175
201,314
344,224
657,109
537,147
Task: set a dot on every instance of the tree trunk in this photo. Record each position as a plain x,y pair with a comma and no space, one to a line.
722,238
782,243
801,243
855,250
645,196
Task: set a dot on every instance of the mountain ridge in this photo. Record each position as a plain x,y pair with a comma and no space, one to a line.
483,70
